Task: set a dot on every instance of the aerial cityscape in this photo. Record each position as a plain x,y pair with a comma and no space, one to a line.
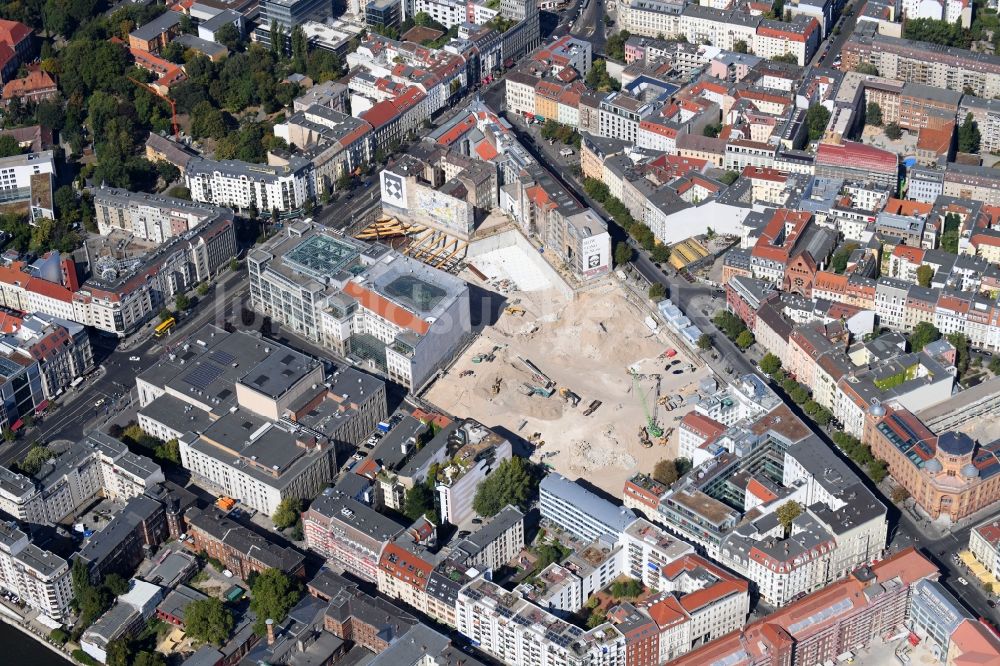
482,332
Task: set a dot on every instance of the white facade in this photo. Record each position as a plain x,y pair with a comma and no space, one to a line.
40,578
245,186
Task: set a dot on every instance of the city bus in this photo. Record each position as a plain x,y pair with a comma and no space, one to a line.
164,326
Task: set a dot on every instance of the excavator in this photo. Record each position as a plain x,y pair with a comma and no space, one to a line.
515,310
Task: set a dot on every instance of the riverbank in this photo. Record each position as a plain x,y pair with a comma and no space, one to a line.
28,652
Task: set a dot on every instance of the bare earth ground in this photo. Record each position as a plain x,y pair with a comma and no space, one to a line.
567,342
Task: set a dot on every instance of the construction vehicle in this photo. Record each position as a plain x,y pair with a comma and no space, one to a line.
569,396
651,425
537,374
528,389
496,385
592,407
644,438
479,358
466,373
515,310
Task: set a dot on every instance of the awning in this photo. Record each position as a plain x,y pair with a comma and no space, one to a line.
41,406
914,639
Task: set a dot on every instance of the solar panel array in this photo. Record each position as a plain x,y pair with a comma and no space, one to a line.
821,616
203,375
222,357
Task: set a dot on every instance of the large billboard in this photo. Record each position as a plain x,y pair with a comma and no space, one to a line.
394,189
447,213
595,254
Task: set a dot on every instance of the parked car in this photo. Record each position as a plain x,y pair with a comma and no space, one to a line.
963,581
134,359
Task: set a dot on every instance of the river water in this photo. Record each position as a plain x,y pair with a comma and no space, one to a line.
19,649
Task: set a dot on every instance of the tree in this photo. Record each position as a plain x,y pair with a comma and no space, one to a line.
950,233
838,263
866,68
873,114
272,595
9,146
961,344
899,495
418,502
657,292
744,340
182,302
893,131
8,434
117,653
36,457
729,177
208,620
712,130
203,289
770,364
229,37
512,483
168,450
923,334
740,46
924,275
660,254
623,253
116,584
704,342
877,470
787,513
149,659
287,512
817,116
799,394
968,135
666,472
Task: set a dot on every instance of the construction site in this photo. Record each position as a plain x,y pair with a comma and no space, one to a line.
583,378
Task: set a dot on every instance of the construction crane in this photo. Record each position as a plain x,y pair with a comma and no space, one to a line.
173,105
651,427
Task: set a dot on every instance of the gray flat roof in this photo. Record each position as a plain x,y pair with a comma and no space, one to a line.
608,514
161,24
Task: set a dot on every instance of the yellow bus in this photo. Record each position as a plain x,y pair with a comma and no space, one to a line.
164,326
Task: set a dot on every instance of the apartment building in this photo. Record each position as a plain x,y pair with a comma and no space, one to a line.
241,550
336,143
800,38
620,115
348,533
150,217
120,295
827,623
29,179
246,186
575,509
510,628
96,465
858,162
984,544
650,17
938,66
122,543
390,312
40,578
473,453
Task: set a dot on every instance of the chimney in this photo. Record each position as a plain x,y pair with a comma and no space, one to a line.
270,631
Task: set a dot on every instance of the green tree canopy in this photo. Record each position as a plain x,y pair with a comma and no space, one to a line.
817,116
788,512
968,135
419,501
37,456
745,339
925,273
513,482
770,363
893,131
873,114
208,620
923,334
287,513
623,253
272,595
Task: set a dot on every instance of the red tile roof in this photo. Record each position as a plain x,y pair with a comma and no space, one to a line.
386,309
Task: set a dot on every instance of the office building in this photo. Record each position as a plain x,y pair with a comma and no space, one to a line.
571,507
387,311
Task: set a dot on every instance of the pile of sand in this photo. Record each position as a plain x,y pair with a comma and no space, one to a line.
586,456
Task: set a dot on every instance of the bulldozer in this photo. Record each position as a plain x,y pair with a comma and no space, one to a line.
570,397
515,310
